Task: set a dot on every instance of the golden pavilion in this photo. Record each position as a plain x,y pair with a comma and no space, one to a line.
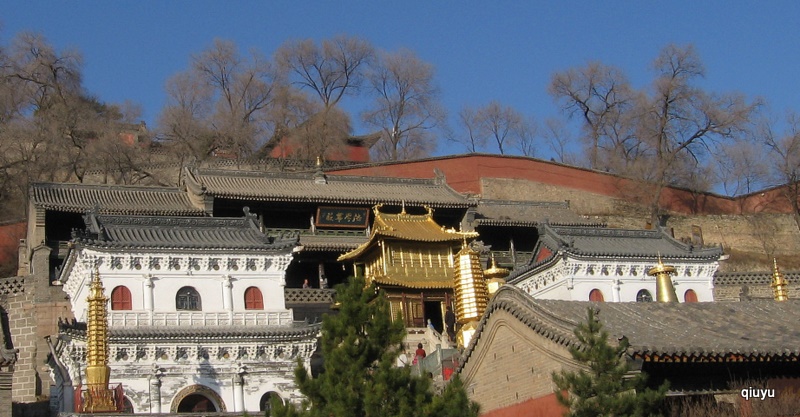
411,258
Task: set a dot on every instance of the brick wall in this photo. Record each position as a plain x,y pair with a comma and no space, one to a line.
511,364
23,334
750,239
29,323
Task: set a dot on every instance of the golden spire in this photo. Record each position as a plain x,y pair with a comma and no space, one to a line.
471,294
778,283
98,397
665,291
495,277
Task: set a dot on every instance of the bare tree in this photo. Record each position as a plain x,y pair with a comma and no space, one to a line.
501,125
332,69
660,136
525,140
784,160
406,106
220,105
680,123
602,97
559,140
741,166
50,128
470,136
323,134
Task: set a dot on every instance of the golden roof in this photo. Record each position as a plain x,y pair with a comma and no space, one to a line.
417,282
408,227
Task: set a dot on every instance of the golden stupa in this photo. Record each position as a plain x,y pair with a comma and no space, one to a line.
778,283
665,291
471,293
97,398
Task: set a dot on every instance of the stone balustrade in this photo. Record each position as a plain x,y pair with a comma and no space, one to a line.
199,318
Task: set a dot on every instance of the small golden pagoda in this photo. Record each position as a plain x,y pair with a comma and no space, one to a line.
471,294
97,398
495,277
778,283
410,257
665,291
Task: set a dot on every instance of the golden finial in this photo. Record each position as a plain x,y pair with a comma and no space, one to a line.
778,283
319,161
495,277
665,291
403,209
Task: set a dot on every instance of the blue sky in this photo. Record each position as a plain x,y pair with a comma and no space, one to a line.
503,50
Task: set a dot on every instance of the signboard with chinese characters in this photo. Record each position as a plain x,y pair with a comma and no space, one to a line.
342,217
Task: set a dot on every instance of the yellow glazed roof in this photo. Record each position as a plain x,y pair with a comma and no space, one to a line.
408,227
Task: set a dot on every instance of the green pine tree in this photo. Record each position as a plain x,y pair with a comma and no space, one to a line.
360,345
603,388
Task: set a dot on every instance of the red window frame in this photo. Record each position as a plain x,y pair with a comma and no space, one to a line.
121,298
253,300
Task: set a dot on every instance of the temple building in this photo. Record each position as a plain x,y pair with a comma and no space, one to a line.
705,350
411,258
197,320
331,213
326,215
554,249
601,264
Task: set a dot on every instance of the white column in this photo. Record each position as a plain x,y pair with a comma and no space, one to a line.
238,389
615,283
227,293
155,390
148,292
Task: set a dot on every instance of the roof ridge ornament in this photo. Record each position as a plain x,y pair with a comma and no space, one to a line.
319,175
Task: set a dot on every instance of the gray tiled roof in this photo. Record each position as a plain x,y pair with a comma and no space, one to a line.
113,199
335,189
525,213
605,242
155,232
189,334
699,331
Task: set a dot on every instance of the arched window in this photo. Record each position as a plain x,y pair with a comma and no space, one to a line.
264,403
121,298
643,296
253,299
690,296
188,299
596,295
127,406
